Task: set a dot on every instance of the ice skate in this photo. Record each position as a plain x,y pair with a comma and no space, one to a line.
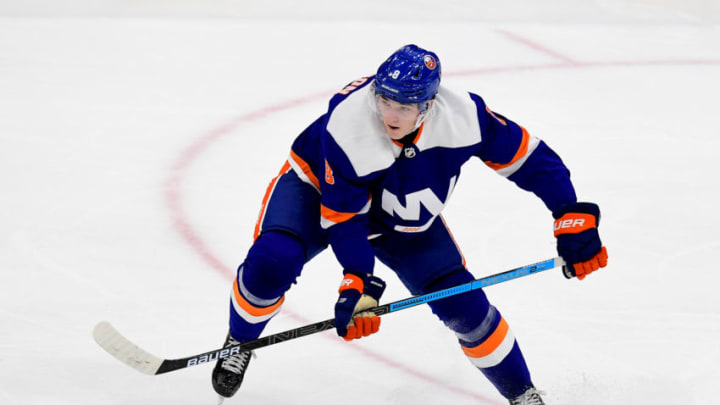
227,376
529,397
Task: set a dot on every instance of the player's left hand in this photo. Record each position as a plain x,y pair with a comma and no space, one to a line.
578,241
358,293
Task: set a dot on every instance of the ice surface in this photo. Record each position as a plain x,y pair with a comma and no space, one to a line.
137,139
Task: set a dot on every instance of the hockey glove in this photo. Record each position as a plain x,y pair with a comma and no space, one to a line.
358,293
578,242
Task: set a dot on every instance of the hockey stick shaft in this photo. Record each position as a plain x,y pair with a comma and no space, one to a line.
124,350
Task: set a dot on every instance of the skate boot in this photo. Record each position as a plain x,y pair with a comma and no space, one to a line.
227,376
529,397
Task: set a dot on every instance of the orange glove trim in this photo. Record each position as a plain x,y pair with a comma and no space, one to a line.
587,267
573,222
362,326
351,282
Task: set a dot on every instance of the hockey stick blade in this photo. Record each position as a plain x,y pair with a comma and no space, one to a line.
124,350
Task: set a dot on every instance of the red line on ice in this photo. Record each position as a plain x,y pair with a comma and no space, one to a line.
536,46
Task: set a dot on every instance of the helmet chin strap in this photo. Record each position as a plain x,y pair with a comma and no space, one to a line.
419,121
423,114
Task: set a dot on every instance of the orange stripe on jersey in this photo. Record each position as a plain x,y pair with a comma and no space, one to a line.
306,169
420,130
502,121
454,241
492,342
334,216
268,192
522,151
417,137
250,308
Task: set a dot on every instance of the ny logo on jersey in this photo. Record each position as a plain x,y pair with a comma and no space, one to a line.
411,210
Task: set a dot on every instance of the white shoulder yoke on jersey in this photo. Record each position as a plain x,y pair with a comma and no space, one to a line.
355,127
451,123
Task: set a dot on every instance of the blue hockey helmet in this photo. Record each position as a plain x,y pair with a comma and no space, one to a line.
410,75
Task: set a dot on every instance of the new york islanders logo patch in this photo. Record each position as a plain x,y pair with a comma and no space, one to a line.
430,62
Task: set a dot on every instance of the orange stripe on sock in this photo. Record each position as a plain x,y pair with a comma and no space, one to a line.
250,308
489,345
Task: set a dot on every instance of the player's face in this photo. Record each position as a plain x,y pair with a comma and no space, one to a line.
398,119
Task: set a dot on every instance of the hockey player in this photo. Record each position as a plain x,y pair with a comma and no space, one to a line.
369,178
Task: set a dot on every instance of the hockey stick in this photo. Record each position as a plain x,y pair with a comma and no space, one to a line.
124,350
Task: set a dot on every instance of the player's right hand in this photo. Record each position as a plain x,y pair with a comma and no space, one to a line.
358,293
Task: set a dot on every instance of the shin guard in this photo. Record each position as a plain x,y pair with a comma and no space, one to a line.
273,263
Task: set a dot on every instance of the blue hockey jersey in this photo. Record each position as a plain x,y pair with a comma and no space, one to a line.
370,184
